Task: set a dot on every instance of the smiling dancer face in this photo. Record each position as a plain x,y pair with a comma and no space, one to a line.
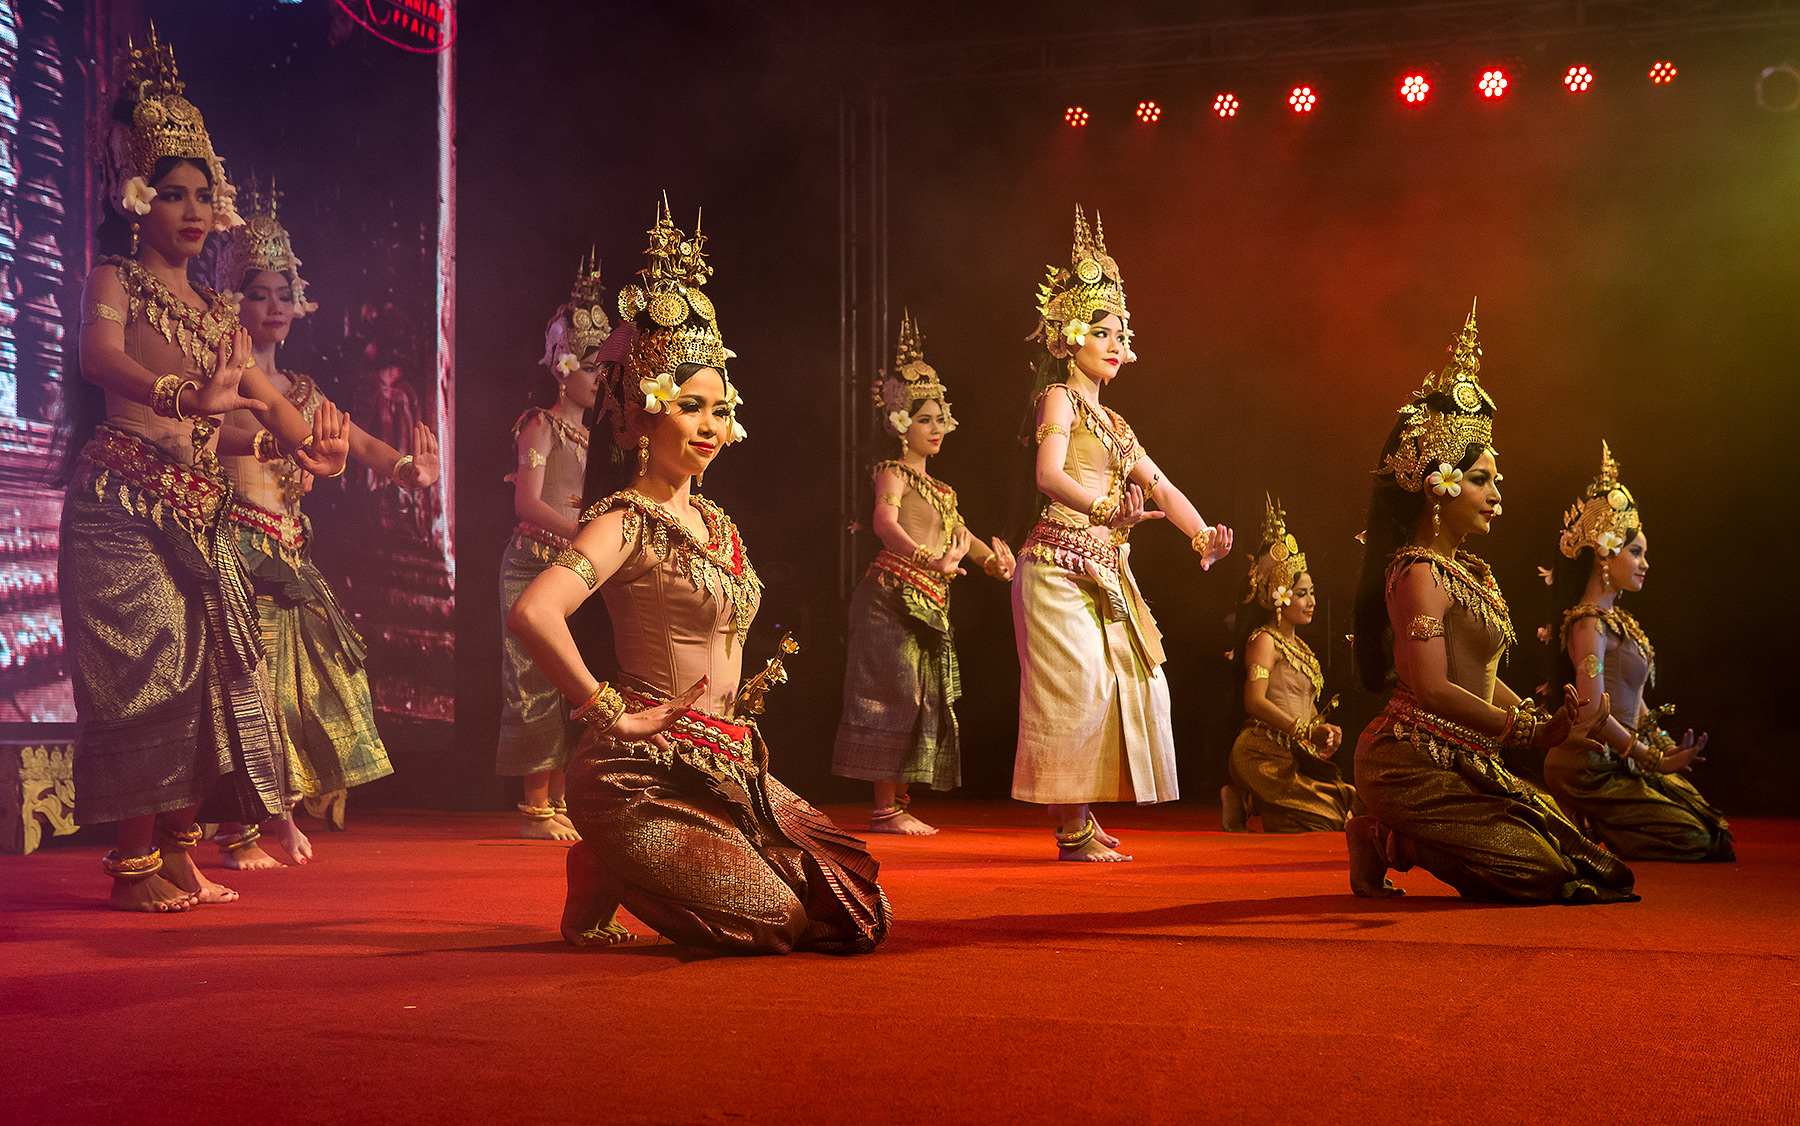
688,433
1105,350
267,309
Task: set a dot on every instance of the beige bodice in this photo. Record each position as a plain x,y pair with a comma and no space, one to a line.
1102,449
272,485
168,338
928,513
1628,663
1292,687
1477,627
680,607
565,467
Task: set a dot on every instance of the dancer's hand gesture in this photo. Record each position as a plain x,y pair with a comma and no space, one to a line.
329,449
219,393
649,724
1213,544
950,562
1132,510
1683,758
423,470
1002,564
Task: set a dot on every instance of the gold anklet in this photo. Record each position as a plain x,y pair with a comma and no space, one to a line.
132,867
1078,838
537,812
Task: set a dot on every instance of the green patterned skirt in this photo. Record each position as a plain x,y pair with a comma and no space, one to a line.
536,733
900,688
326,717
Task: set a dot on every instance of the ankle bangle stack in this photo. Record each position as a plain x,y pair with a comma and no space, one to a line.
132,867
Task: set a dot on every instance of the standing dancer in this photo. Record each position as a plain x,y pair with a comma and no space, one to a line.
681,821
325,718
1628,786
901,682
1431,624
1281,766
1093,702
166,661
536,735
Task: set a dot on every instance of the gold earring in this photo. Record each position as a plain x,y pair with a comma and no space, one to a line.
643,457
700,480
134,240
1435,527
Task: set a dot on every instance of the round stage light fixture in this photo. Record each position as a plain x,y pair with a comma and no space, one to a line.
1778,88
1663,73
1075,116
1414,89
1302,99
1493,83
1226,105
1578,79
1149,113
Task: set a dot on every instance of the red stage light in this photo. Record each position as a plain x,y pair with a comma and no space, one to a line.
1075,116
1415,89
1302,99
1493,84
1149,113
1663,73
1578,79
1226,105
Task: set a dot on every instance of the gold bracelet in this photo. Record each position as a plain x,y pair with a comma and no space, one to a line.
175,399
162,396
265,447
992,564
1525,721
394,473
578,563
922,555
602,709
1202,541
1104,508
306,444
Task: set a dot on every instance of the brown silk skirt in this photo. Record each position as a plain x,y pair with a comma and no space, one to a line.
1293,792
1638,816
740,867
1479,829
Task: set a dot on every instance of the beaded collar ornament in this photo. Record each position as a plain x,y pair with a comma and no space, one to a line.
260,243
1278,563
163,123
1433,438
1070,295
1606,516
912,381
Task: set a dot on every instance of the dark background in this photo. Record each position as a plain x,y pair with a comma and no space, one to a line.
1635,250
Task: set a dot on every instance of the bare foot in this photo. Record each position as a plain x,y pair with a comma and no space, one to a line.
547,829
1368,860
896,820
1103,836
179,869
590,911
1092,851
246,858
1234,817
288,835
150,893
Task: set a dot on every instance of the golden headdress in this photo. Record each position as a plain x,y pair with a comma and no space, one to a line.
260,243
1606,516
1435,438
581,323
912,381
1279,561
1072,294
163,123
686,327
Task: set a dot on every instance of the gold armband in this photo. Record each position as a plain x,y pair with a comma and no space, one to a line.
533,459
1425,627
1257,672
1050,428
99,312
265,447
602,708
1592,665
888,499
578,563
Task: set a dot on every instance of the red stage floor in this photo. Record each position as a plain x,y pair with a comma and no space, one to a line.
413,975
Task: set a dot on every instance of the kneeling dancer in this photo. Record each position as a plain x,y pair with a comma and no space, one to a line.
681,822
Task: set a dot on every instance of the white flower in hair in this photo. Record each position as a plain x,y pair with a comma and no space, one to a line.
1608,543
658,392
1446,480
1547,575
138,195
737,433
1281,596
900,421
567,364
1076,331
225,214
732,398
